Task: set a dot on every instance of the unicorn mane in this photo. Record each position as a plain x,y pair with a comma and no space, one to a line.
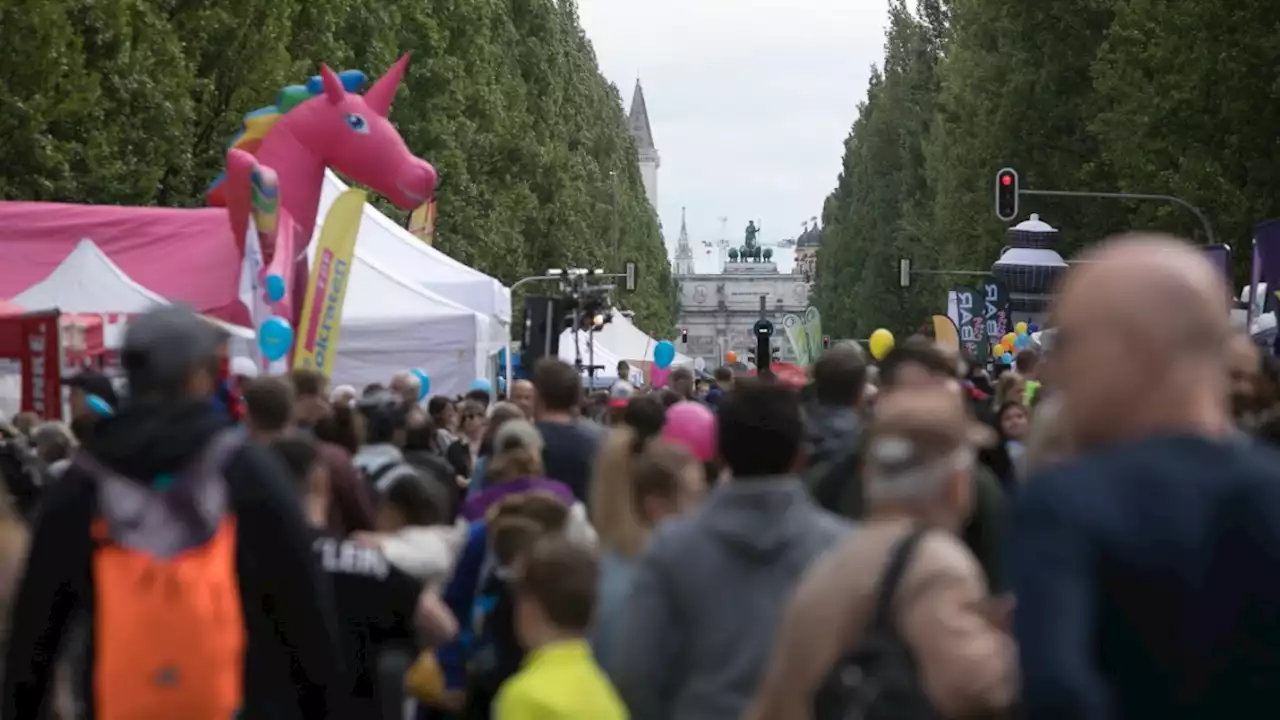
257,124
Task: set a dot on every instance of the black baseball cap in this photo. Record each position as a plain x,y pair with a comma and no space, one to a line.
163,346
93,382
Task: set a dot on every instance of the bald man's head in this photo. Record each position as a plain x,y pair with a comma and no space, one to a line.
523,396
1142,323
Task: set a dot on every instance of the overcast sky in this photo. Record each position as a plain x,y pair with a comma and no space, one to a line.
749,101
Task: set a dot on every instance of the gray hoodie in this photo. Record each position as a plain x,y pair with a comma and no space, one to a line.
708,596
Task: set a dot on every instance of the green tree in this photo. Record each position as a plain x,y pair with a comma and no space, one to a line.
132,101
1016,91
92,101
875,214
1184,88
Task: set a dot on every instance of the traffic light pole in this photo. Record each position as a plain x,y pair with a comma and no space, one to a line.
1204,220
629,284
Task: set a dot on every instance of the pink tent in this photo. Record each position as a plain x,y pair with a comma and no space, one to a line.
185,256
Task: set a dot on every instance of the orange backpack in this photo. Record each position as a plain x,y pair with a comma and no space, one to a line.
169,637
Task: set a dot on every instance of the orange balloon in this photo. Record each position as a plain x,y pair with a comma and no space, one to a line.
731,357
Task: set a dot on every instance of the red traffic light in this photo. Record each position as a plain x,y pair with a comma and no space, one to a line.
1007,194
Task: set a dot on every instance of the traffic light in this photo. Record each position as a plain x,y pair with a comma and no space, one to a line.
763,330
1007,194
684,335
826,341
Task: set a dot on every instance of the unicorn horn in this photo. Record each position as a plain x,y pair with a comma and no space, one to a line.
379,97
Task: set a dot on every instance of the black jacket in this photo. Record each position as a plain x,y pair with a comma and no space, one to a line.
293,659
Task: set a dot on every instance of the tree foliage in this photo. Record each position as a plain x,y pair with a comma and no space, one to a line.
132,101
1140,96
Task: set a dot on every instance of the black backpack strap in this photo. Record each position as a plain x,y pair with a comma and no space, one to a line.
899,558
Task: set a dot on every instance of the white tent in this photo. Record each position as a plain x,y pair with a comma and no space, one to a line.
572,343
390,324
87,282
386,243
630,343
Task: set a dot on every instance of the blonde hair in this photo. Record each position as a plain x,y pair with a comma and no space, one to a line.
613,507
627,469
1010,389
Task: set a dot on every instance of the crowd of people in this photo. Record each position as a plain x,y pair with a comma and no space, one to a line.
1087,534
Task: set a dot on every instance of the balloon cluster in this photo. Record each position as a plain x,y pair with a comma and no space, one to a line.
880,343
1012,343
275,334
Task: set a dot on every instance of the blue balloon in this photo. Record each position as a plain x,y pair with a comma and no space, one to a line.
1032,327
424,383
1021,342
1007,358
275,338
275,288
664,353
482,384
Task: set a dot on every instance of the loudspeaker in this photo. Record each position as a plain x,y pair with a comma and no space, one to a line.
543,323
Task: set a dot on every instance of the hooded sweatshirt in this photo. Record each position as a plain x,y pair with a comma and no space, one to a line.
293,659
708,596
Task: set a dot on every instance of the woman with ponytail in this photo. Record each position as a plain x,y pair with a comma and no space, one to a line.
638,481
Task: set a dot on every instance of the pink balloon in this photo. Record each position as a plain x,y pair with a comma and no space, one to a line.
692,425
658,376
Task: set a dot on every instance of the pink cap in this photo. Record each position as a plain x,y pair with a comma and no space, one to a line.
692,425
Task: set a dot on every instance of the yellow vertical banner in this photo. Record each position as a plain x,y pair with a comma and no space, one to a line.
321,318
422,222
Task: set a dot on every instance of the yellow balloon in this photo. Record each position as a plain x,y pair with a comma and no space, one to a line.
880,343
997,350
1020,328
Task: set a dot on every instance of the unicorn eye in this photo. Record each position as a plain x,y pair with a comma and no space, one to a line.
357,123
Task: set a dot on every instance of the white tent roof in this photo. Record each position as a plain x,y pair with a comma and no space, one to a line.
630,343
87,282
390,324
383,241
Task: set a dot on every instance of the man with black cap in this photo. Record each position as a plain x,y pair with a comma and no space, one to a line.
167,427
89,384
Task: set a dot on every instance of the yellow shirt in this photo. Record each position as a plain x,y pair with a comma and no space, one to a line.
560,681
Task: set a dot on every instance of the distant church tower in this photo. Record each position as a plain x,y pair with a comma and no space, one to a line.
638,120
684,253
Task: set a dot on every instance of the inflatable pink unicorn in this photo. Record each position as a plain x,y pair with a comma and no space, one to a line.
276,165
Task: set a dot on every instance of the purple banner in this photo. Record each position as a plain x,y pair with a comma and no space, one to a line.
1266,257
